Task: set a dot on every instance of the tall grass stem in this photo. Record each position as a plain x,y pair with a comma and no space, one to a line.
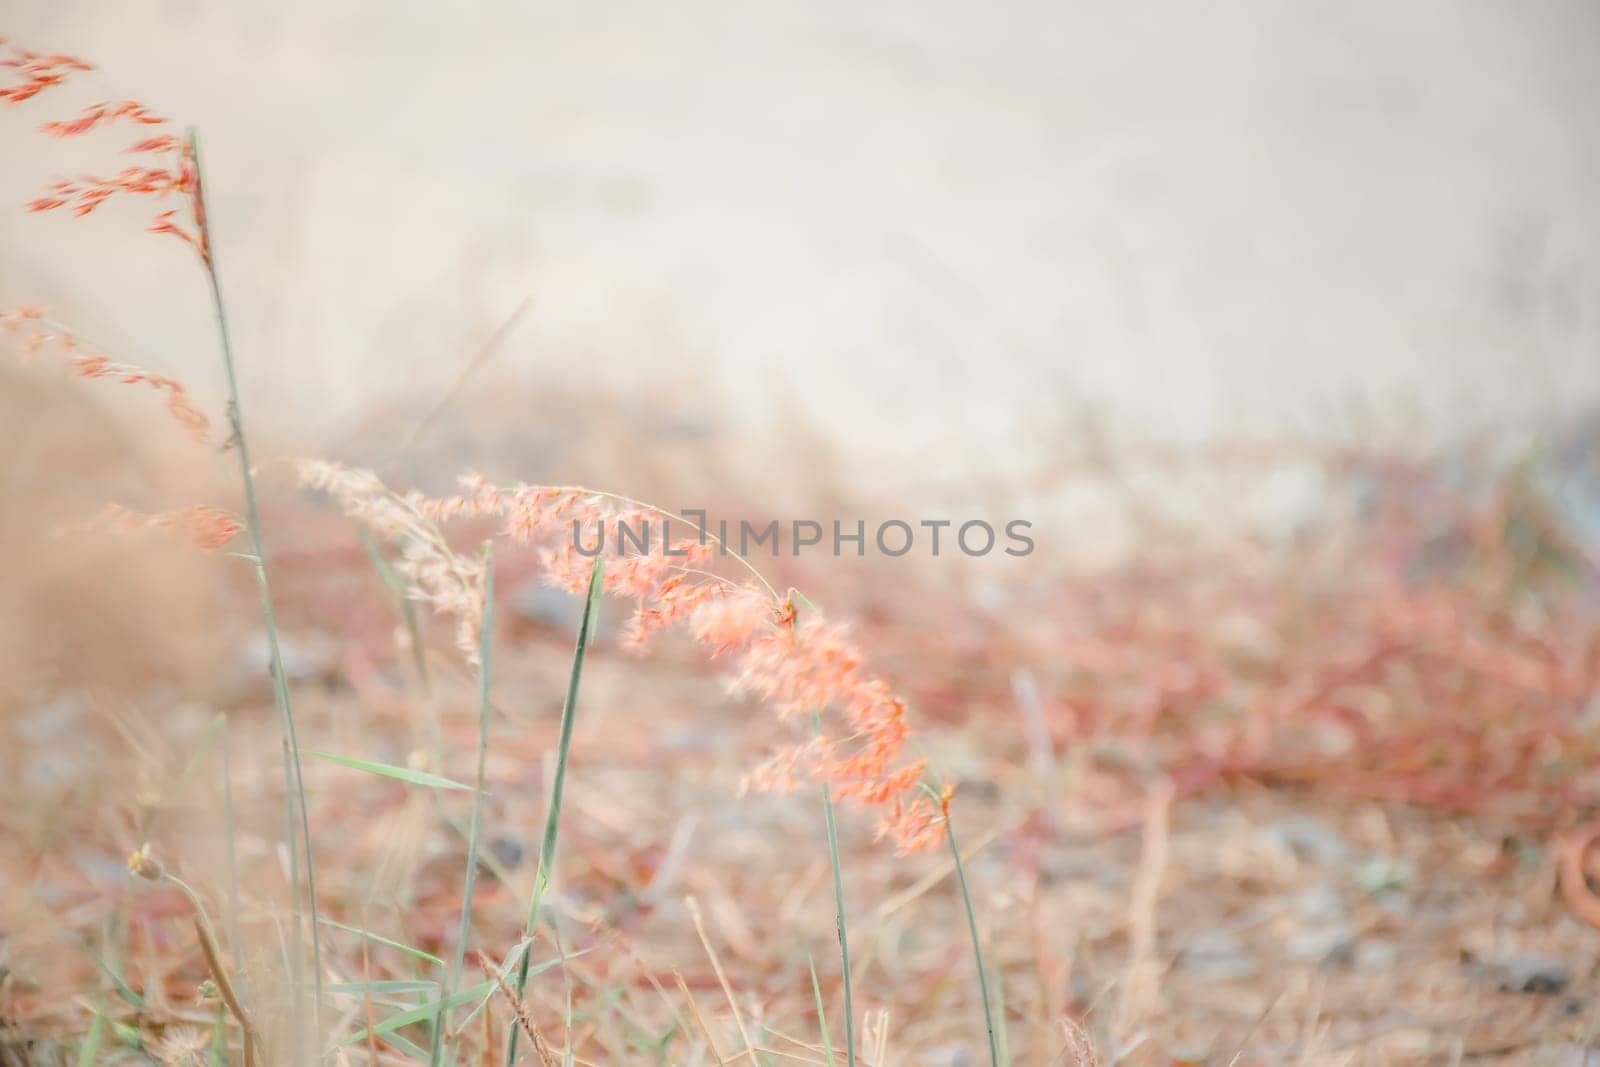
995,1059
547,847
485,643
294,779
838,914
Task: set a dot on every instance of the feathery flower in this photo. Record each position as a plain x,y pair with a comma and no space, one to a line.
178,404
102,114
42,333
434,573
178,174
90,192
796,664
165,142
38,73
201,525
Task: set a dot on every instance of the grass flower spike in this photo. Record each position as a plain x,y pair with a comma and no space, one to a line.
201,525
796,665
434,574
41,334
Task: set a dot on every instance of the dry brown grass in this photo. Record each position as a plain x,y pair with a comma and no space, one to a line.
1087,919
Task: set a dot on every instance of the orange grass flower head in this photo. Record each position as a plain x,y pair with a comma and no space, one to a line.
170,170
200,525
41,334
796,664
33,73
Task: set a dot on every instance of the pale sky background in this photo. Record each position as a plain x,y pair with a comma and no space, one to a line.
937,231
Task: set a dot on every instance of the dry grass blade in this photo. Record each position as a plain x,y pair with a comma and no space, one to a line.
722,977
699,1020
483,355
519,1008
219,974
143,865
1139,989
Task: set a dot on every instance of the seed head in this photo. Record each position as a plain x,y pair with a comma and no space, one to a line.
142,864
43,333
796,665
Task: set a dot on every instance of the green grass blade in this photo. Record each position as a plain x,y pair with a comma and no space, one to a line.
840,927
389,770
377,939
421,1014
126,1035
481,993
838,912
1000,1019
380,987
547,849
485,646
822,1013
124,990
218,1052
408,1048
90,1050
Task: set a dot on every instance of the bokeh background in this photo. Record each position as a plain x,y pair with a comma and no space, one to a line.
1279,320
937,233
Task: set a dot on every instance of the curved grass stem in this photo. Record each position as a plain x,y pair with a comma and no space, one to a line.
547,848
995,1059
299,831
485,641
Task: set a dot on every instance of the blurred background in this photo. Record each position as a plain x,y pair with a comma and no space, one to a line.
943,236
1279,321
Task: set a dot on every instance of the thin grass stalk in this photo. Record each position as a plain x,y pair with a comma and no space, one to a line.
547,848
144,866
89,1051
218,1051
294,779
485,641
838,915
822,1012
233,850
972,928
407,610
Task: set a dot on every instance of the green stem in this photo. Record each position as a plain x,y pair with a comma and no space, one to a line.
972,928
822,1013
838,914
294,779
547,849
485,641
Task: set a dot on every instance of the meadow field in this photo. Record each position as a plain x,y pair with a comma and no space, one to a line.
478,598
